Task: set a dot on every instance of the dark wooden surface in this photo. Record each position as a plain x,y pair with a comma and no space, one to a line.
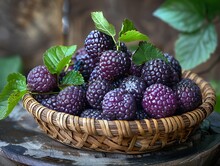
23,143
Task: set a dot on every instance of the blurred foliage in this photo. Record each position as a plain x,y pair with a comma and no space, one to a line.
195,20
216,85
9,65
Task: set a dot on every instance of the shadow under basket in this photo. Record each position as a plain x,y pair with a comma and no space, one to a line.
120,136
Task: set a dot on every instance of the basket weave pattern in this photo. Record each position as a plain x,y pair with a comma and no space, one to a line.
131,137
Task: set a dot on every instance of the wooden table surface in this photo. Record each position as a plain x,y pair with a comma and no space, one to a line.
23,143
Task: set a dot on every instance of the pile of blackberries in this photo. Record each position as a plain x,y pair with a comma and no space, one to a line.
115,87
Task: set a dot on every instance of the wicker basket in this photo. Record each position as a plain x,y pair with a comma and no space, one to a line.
130,137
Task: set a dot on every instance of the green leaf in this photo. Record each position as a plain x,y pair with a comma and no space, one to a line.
194,49
132,35
184,15
102,24
215,84
57,57
7,106
9,65
73,78
11,94
145,52
212,8
127,25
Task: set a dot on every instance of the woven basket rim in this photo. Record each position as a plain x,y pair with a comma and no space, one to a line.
95,127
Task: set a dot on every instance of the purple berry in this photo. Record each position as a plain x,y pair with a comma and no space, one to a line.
188,94
91,113
135,69
71,100
97,42
85,64
118,104
39,79
50,102
141,114
40,97
135,86
113,64
78,53
159,101
96,92
174,64
95,74
158,71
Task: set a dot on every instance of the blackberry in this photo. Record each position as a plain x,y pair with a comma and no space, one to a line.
135,86
159,101
96,91
174,64
78,53
113,64
85,64
118,104
141,114
50,102
71,100
39,79
97,42
135,69
95,74
40,97
188,94
158,71
91,113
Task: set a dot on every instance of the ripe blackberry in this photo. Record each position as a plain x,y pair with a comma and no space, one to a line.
135,69
40,97
96,92
174,64
118,104
39,79
188,94
85,64
141,114
50,102
95,74
159,101
71,100
91,113
78,53
97,42
113,64
158,71
135,86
